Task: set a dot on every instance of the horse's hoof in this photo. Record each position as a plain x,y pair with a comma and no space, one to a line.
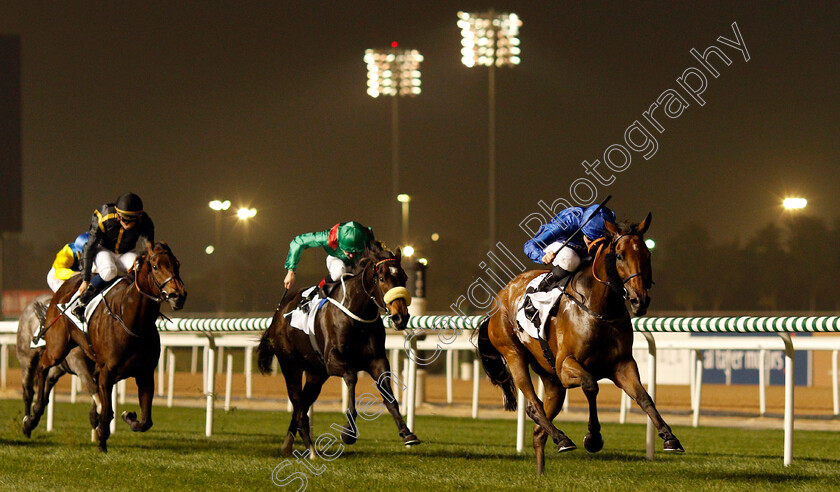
103,448
128,417
411,440
348,439
674,446
593,442
27,429
565,444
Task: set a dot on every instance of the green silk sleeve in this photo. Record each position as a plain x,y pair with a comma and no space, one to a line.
304,241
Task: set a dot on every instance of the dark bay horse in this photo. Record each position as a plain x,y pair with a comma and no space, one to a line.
124,341
590,338
348,340
31,320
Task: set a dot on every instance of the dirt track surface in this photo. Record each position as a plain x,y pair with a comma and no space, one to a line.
721,405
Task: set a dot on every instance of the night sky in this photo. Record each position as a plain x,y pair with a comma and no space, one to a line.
264,103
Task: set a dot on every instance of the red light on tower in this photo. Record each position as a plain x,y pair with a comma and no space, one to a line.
394,44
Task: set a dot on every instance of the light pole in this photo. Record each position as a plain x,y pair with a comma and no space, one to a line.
218,206
490,39
404,199
393,72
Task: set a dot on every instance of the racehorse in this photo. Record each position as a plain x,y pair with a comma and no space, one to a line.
124,341
31,320
349,336
589,338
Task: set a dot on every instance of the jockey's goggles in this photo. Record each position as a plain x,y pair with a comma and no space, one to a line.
128,217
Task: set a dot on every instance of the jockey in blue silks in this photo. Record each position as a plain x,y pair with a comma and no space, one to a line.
545,246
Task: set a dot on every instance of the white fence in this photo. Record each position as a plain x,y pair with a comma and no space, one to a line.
448,334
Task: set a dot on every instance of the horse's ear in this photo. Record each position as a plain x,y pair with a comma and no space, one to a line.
611,228
398,255
643,225
149,247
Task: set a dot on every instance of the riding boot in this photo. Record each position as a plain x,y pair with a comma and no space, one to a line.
553,279
84,299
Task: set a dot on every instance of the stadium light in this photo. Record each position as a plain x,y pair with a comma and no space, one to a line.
393,72
794,203
490,39
246,213
650,243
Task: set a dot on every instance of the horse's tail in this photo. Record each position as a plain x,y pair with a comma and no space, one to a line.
495,366
265,351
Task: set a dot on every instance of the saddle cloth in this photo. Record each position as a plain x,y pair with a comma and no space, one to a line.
543,302
91,307
303,316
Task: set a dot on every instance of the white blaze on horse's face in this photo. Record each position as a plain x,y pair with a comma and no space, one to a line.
391,281
633,264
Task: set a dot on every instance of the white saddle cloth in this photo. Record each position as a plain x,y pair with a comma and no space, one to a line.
543,302
303,316
89,310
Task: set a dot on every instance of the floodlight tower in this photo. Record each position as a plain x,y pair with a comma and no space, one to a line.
490,39
393,72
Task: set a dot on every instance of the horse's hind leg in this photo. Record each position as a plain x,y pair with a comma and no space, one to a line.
627,378
380,370
28,371
145,393
311,390
573,374
522,377
293,375
83,367
555,394
50,357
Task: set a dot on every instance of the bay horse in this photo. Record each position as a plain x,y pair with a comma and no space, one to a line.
590,338
124,341
350,337
31,319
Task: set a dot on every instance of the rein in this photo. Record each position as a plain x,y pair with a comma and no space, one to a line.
388,297
601,245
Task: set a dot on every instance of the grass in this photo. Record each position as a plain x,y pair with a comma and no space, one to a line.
457,453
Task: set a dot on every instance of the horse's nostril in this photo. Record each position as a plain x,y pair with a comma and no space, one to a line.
634,301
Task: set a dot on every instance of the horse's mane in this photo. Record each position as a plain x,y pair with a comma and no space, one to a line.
627,227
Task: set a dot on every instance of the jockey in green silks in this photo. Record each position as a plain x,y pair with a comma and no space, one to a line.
343,243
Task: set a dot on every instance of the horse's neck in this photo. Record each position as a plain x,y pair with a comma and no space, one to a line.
599,297
355,296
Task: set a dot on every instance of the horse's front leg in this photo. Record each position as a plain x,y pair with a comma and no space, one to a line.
350,379
145,393
627,378
380,370
103,431
555,394
573,374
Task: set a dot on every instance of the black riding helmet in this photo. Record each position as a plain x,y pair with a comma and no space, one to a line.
130,207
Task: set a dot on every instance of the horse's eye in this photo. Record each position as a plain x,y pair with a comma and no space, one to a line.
154,267
619,257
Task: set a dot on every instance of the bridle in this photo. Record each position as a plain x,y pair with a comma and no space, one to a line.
600,243
393,294
159,285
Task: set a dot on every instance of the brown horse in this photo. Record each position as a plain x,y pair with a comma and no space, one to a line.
589,338
348,339
124,340
31,320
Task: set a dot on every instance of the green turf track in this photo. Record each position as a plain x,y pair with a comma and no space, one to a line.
457,453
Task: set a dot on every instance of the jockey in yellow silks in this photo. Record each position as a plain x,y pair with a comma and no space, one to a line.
68,262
